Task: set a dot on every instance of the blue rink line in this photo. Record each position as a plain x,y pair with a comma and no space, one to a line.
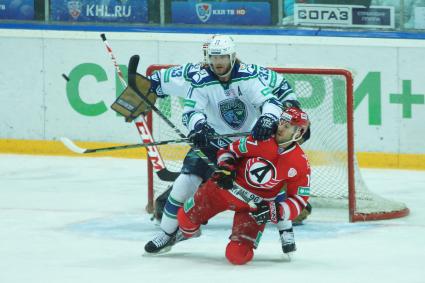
140,228
213,30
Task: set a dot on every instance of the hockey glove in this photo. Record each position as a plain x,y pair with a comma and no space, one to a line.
291,103
201,135
303,215
267,211
265,127
130,104
225,174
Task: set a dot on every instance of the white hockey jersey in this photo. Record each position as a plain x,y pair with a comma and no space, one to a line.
176,81
229,107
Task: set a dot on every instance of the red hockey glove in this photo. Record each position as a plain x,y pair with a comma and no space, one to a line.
267,211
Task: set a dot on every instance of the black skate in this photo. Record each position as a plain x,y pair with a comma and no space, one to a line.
288,241
161,243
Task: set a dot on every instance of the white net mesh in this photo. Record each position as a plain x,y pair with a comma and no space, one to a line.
323,97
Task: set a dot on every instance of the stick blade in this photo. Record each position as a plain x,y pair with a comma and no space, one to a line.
167,176
72,146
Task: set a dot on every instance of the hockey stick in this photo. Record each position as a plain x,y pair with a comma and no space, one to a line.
132,71
75,148
142,127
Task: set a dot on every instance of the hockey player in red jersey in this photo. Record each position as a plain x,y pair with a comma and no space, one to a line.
251,175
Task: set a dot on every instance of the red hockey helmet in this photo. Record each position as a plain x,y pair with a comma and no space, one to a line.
295,116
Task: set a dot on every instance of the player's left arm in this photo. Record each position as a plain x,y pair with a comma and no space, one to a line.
279,85
285,93
263,98
288,98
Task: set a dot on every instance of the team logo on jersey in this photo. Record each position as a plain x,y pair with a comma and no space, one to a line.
292,172
233,112
230,92
260,173
203,11
74,9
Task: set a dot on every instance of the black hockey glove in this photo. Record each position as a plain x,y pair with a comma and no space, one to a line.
225,174
291,103
267,211
201,135
303,215
265,127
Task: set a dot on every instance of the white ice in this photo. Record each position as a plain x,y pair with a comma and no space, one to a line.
66,219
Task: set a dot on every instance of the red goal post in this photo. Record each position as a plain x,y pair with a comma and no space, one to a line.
327,96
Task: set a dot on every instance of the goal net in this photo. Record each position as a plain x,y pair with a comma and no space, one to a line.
327,97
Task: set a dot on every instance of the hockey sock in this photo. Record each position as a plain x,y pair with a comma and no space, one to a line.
284,225
169,217
183,188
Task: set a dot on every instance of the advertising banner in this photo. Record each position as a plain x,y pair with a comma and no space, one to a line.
389,93
236,13
344,16
125,11
17,10
419,18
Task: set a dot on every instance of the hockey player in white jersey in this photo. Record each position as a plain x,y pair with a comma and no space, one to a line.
176,80
229,93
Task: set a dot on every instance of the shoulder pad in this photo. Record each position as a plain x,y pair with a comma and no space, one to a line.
265,73
202,77
269,77
263,70
247,70
191,69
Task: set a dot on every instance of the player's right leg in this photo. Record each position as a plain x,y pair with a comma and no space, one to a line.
205,204
194,171
183,188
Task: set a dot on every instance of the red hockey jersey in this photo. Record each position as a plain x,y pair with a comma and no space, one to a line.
263,168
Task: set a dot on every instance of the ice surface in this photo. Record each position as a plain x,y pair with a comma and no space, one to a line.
66,219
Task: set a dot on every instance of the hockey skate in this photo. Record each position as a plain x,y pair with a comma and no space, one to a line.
288,241
161,243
